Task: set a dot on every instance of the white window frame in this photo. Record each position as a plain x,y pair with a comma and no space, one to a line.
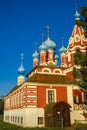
47,95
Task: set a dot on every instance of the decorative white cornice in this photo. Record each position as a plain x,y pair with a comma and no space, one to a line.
46,69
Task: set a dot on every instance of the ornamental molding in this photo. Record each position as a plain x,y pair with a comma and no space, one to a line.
51,62
59,71
68,70
75,48
46,70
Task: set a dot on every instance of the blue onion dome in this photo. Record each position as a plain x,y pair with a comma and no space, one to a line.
43,47
21,69
62,49
77,15
50,44
56,57
35,54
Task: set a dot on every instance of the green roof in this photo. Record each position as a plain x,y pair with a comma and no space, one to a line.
49,78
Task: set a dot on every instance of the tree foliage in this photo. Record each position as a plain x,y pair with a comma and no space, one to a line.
1,106
80,71
83,22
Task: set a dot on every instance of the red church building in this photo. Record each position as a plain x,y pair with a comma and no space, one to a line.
50,92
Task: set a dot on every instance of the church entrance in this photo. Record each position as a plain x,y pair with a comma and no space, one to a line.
57,114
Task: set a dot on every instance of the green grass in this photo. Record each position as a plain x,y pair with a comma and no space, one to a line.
7,126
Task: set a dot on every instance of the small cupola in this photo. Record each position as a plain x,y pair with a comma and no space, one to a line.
49,43
43,52
62,49
35,56
77,15
42,47
21,69
21,72
56,59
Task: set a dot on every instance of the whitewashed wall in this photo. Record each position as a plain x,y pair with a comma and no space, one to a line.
29,115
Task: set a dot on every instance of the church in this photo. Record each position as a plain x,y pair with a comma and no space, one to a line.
50,93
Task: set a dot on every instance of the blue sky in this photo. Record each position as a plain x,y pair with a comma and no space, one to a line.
22,23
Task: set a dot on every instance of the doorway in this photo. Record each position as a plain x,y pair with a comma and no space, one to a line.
57,114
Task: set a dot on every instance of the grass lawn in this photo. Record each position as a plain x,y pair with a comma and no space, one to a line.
7,126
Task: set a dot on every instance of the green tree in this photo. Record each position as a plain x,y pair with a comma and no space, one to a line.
83,21
1,106
80,71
